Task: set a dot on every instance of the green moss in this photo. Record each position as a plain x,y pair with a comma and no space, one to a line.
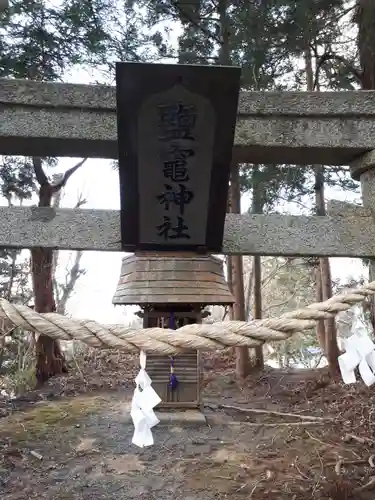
48,417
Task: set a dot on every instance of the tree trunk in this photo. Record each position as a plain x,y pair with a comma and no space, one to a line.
234,263
224,51
50,359
257,359
242,353
320,327
249,291
224,60
325,330
229,261
331,347
365,19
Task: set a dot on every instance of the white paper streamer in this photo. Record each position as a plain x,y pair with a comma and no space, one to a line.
142,409
359,352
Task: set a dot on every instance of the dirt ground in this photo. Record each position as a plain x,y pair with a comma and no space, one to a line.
72,440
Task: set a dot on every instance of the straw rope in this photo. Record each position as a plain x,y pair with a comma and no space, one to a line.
198,336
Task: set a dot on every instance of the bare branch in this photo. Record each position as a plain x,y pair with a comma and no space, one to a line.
329,56
68,174
280,304
56,290
318,362
226,310
275,271
181,14
71,279
81,201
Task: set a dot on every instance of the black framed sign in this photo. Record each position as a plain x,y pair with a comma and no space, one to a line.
176,126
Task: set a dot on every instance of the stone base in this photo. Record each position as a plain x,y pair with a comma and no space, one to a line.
181,417
173,417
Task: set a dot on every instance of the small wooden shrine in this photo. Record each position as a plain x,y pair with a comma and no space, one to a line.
172,291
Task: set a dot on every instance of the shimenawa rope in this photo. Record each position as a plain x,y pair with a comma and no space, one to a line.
198,336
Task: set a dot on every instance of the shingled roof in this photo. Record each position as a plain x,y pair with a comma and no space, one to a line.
168,279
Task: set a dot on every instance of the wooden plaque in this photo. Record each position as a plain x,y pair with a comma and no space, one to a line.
176,128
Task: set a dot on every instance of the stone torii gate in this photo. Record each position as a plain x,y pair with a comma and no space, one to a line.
331,128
